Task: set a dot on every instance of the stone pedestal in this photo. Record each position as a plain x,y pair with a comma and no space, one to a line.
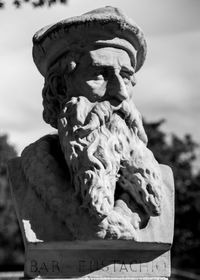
98,260
94,259
101,278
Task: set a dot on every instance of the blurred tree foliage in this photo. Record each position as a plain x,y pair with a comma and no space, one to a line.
11,248
180,155
177,153
34,3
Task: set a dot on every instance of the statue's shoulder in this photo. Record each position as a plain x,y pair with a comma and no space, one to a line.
41,167
36,160
39,186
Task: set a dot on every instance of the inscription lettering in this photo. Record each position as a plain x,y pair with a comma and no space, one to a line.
115,262
34,267
105,268
135,266
109,266
81,266
123,267
144,267
55,266
42,267
159,265
94,265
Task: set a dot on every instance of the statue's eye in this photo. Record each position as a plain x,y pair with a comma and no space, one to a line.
126,80
99,75
126,76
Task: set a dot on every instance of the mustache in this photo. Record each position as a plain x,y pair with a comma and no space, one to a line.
83,116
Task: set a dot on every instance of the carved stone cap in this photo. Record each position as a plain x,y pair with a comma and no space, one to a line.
100,27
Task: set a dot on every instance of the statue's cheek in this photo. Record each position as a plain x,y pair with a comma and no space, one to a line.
96,88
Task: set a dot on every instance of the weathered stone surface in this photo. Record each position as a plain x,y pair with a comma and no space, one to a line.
39,224
96,181
100,278
103,165
93,259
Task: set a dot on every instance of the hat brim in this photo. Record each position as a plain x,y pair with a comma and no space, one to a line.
103,25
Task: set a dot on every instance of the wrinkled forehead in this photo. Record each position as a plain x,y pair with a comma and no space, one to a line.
108,57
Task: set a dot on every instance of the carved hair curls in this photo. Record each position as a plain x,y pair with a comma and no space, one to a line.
55,90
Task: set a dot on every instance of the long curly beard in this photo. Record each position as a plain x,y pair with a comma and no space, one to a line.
115,177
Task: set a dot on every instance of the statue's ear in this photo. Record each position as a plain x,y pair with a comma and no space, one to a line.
51,104
70,62
57,87
54,94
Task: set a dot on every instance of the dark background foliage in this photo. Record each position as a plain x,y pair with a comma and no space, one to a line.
11,247
178,153
34,3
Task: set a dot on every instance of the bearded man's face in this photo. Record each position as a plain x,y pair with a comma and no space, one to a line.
114,175
103,74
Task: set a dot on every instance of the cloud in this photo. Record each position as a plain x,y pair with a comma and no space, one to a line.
21,101
168,84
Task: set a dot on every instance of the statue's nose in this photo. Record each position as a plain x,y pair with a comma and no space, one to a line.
117,88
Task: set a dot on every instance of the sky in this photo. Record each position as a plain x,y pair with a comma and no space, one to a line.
167,85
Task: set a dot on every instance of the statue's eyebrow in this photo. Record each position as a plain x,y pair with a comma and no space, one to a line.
124,68
128,69
97,64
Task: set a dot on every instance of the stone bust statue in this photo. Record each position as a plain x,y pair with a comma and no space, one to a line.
96,179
